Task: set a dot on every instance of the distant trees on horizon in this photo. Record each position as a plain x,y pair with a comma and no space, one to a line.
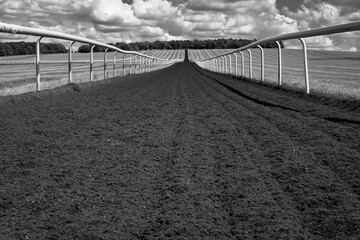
28,48
181,44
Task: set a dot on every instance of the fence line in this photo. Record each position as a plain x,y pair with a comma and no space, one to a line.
151,64
219,63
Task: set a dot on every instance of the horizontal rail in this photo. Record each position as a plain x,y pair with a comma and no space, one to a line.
16,29
30,62
348,27
140,65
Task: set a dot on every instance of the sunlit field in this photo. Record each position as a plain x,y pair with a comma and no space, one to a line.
330,72
17,73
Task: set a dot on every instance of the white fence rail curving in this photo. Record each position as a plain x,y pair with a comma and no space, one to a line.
222,63
142,62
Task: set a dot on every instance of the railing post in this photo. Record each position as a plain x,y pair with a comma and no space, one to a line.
279,63
250,63
135,61
236,63
306,66
124,64
223,58
105,60
140,57
91,63
224,64
38,87
262,63
230,67
145,65
130,62
114,64
141,64
242,64
70,61
220,64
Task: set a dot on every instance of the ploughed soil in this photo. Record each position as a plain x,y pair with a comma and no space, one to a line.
179,153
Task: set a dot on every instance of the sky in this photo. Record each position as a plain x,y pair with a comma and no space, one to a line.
150,20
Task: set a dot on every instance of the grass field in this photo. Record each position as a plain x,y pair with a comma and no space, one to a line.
331,73
17,73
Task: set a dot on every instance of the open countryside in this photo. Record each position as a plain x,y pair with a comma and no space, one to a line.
176,154
128,142
331,72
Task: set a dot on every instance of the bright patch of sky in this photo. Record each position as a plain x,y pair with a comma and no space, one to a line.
149,20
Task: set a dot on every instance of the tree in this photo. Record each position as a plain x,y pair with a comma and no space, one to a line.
184,44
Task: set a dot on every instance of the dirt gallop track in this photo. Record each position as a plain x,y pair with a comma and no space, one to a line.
179,153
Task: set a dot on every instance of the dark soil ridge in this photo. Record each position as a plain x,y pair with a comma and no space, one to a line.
173,154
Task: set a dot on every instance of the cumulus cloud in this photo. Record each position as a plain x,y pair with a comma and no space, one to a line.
137,20
151,32
112,12
153,9
315,14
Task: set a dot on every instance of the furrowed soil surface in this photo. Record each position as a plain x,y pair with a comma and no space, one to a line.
179,153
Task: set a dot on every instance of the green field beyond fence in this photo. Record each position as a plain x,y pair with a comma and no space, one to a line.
331,72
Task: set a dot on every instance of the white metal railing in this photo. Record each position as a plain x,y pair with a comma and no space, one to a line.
142,63
220,64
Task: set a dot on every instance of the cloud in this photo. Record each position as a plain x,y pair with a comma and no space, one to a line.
151,32
137,20
232,6
153,9
315,14
112,12
7,36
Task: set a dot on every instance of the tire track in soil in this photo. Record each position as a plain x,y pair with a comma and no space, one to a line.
180,211
98,126
171,155
319,135
342,194
310,108
275,198
259,193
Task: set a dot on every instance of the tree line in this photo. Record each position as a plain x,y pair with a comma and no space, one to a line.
182,44
27,48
